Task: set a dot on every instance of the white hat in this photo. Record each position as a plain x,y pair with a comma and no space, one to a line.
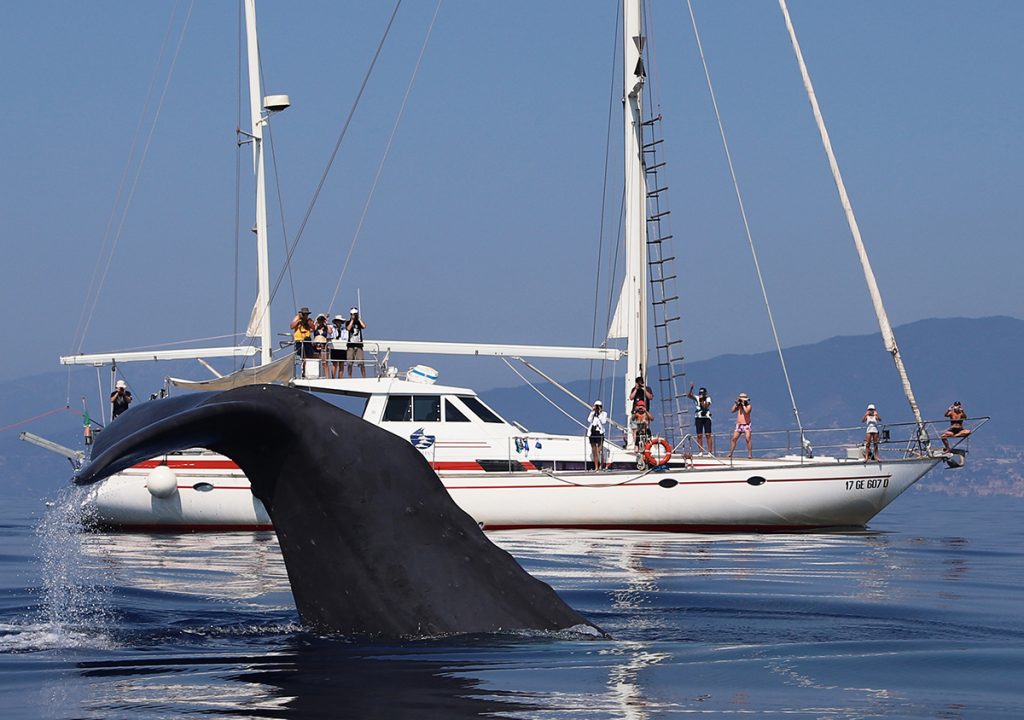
354,310
871,407
598,402
120,384
339,318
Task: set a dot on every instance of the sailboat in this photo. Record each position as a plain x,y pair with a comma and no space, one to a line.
502,474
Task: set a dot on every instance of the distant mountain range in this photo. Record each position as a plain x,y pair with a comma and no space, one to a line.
971,360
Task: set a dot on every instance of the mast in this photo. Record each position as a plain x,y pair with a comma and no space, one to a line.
261,312
888,337
633,302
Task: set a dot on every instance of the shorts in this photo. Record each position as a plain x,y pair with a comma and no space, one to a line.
304,349
742,427
354,352
596,439
337,354
703,426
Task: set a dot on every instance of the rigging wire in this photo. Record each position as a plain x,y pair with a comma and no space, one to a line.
804,445
387,151
238,178
280,208
92,294
604,201
330,161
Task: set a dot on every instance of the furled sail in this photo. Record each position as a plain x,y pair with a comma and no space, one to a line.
279,371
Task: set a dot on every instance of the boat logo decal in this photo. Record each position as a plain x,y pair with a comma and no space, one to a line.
421,440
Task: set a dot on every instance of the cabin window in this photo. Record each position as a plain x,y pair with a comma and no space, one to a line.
452,413
398,409
482,411
426,408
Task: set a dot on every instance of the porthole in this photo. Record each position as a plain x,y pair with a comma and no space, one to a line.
202,487
756,480
668,482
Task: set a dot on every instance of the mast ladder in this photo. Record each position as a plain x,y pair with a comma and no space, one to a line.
662,277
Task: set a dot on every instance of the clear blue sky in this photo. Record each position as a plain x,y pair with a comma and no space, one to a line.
485,223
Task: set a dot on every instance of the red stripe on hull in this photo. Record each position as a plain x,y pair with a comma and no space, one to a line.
189,464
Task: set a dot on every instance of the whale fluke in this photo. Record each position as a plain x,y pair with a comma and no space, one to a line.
373,543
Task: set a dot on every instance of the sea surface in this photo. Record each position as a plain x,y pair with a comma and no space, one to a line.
920,616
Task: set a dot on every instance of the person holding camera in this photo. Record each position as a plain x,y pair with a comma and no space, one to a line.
956,416
742,409
337,354
354,348
702,419
642,420
120,399
640,392
596,420
872,420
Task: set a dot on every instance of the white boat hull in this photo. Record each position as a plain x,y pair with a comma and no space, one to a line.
793,496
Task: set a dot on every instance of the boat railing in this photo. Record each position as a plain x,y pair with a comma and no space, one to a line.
895,441
317,363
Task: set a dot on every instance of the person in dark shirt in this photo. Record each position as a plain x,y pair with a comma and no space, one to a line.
120,399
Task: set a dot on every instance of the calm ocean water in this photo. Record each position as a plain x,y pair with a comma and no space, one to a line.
920,616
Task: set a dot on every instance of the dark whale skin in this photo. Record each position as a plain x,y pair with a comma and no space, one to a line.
373,544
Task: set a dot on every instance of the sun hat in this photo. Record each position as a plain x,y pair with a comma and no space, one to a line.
743,396
304,311
338,318
353,311
120,384
598,402
871,407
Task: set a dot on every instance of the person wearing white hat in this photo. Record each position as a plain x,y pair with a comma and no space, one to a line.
338,350
596,421
354,348
120,399
872,420
742,409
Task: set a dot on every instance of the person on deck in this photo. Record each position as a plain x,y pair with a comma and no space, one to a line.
742,409
354,347
639,392
702,419
302,333
120,399
872,420
642,420
956,416
596,421
337,354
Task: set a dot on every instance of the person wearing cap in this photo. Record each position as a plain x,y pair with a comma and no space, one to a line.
120,399
302,333
872,420
642,420
742,409
354,346
702,419
956,415
337,351
596,421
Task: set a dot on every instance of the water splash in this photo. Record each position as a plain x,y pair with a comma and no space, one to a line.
74,609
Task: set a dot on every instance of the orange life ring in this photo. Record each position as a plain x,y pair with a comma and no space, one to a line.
666,451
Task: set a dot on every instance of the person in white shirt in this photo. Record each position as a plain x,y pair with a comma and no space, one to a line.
702,419
596,421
